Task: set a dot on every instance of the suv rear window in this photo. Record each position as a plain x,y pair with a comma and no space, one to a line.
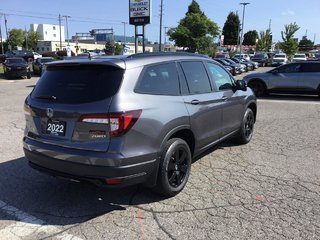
78,83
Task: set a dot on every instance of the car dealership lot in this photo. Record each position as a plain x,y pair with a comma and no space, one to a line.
268,189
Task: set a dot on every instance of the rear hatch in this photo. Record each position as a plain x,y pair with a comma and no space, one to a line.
69,105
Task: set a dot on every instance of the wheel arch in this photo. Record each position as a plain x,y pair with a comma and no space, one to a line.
184,132
253,107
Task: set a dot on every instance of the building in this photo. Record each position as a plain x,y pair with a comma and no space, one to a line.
48,32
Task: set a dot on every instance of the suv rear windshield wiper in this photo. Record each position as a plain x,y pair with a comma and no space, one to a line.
47,97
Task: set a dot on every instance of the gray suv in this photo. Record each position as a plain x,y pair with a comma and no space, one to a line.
298,77
133,119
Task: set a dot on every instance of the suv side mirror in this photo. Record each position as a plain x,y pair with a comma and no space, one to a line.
241,85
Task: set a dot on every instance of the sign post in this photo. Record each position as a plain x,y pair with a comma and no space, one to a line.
139,15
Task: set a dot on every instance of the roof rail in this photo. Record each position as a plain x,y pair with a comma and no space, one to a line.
156,54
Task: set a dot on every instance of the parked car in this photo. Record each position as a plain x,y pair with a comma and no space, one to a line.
243,68
37,65
261,58
16,68
250,65
36,55
246,65
242,55
299,57
298,77
222,55
236,69
133,119
279,59
26,55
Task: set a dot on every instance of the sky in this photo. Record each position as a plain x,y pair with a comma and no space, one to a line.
105,14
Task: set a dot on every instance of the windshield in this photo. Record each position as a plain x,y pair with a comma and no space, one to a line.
45,60
258,56
279,56
299,56
15,60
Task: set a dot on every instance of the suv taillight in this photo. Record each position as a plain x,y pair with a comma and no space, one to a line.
119,123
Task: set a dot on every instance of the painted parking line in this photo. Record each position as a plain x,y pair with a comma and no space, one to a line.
28,226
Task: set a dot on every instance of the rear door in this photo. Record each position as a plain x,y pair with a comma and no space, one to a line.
69,105
310,80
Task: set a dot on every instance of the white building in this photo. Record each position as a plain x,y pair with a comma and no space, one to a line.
48,32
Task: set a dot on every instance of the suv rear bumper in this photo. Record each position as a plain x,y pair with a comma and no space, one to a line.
120,176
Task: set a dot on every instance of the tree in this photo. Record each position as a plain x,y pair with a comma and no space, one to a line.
16,38
109,47
231,29
32,40
289,44
305,44
250,37
118,49
194,7
195,32
264,41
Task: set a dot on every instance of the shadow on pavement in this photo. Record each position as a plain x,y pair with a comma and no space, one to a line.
60,202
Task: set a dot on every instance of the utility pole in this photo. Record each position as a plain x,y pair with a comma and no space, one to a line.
270,25
60,32
160,35
244,7
124,32
165,37
25,29
8,40
239,29
67,27
2,50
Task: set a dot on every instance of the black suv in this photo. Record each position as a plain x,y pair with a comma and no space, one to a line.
16,67
133,119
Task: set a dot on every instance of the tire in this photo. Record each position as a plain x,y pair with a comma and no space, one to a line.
258,88
173,175
247,126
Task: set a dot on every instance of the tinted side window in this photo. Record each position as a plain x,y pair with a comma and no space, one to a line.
78,83
161,79
220,77
311,67
197,77
291,68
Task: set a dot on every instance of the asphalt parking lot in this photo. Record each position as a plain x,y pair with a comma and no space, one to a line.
268,189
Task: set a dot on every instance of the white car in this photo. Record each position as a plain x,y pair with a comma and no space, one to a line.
36,55
243,55
279,59
299,57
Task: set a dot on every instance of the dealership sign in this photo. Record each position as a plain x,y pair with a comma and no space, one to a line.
139,12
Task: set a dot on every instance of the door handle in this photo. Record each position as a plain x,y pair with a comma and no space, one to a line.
195,102
224,98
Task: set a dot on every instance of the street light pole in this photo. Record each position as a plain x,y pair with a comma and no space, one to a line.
242,26
124,32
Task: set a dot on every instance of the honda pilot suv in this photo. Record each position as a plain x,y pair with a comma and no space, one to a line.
133,119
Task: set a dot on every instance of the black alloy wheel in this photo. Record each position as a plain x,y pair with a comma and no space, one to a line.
246,131
174,169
